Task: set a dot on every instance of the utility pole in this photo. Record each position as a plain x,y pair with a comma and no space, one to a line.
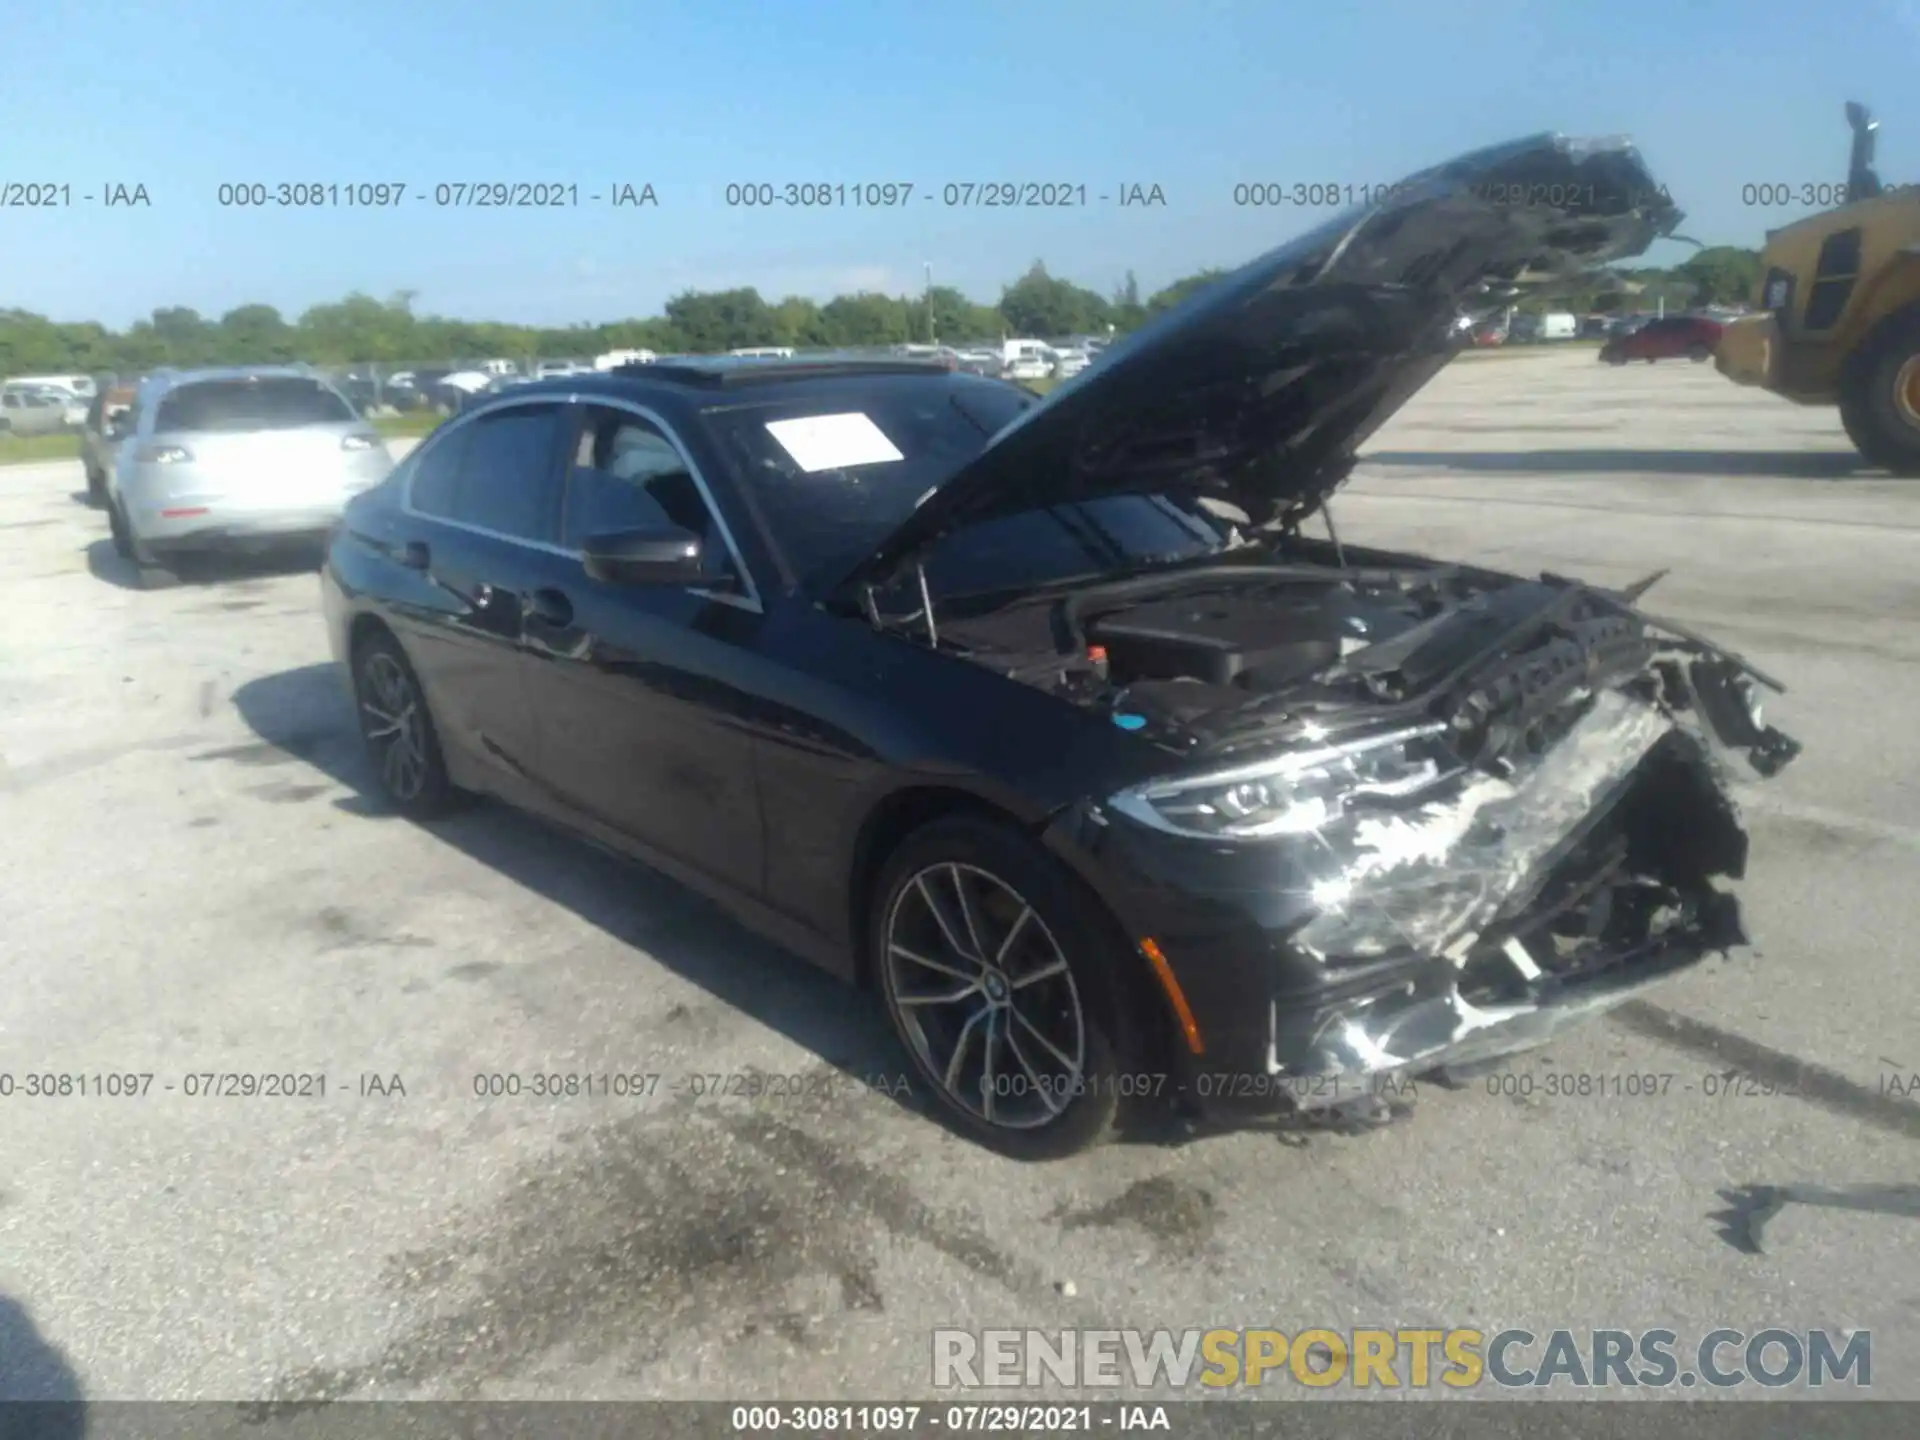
930,339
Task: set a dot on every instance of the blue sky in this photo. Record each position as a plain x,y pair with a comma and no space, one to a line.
1191,95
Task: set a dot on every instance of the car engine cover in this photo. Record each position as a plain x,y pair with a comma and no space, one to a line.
1254,641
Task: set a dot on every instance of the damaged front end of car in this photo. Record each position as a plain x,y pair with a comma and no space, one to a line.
1378,815
1446,852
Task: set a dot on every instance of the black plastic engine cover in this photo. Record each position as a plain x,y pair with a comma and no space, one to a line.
1226,639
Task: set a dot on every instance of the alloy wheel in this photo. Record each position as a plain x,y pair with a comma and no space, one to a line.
985,996
394,723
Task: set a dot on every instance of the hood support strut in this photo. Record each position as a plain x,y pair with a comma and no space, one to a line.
870,606
1333,534
926,604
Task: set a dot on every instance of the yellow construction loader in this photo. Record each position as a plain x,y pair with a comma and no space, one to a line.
1841,296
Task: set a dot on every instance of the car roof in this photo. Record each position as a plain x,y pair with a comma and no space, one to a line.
696,377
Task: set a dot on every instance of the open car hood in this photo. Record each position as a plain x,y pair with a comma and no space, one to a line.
1260,388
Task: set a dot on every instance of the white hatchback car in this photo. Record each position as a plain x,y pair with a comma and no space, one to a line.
235,460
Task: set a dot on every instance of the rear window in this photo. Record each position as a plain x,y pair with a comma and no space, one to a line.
273,403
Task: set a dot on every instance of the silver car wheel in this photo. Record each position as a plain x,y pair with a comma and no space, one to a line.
984,996
391,720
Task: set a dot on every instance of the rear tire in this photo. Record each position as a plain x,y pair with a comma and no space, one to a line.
117,529
149,571
399,732
1699,353
999,973
96,489
1880,396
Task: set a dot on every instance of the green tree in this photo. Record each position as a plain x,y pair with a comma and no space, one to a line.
867,318
1126,312
255,334
360,329
956,319
721,319
184,337
797,321
1721,274
1040,304
1164,300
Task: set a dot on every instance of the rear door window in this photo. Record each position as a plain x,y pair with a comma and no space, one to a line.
496,473
436,473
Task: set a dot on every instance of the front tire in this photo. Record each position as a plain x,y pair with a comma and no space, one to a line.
399,732
997,968
1880,397
1699,353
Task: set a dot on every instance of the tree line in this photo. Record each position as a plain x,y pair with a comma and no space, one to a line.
362,328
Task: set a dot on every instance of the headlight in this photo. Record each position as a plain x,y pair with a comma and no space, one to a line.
1290,794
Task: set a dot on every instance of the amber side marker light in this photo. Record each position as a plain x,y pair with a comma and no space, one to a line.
1182,1011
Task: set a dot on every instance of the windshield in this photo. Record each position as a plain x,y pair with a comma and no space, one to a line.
828,491
263,403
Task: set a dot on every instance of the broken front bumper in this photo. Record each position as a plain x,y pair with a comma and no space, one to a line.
1326,967
1323,1057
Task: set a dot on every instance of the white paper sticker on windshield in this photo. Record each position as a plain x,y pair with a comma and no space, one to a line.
831,442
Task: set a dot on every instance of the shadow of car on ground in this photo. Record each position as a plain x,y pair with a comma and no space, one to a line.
106,564
307,714
40,1394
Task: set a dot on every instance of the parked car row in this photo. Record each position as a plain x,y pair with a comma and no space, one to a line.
48,404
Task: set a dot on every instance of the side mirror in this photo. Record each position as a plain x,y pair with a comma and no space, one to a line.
656,555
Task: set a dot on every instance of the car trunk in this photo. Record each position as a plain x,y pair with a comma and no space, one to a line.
273,469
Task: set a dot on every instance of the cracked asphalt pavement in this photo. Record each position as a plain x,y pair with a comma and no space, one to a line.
196,882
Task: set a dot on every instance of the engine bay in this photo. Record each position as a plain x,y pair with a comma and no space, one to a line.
1265,642
1215,640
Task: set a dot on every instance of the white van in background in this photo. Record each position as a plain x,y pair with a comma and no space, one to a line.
764,352
1558,325
80,386
615,358
1027,359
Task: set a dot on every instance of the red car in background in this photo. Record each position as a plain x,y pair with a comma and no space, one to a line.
1669,338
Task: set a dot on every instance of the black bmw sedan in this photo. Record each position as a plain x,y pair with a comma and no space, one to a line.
1047,721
